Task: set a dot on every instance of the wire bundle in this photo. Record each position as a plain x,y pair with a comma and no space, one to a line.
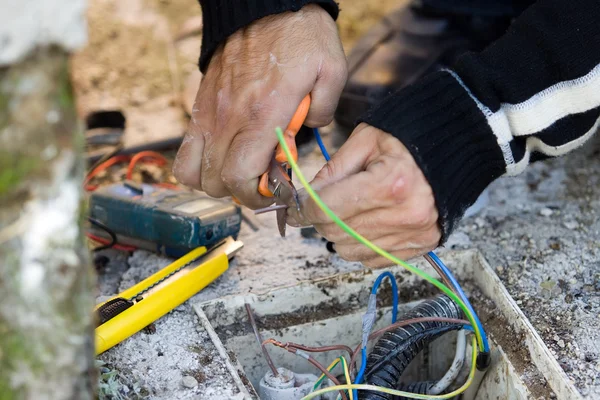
451,288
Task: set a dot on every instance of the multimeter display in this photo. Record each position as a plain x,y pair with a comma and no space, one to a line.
174,221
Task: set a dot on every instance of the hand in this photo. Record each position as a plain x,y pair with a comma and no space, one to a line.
253,84
375,186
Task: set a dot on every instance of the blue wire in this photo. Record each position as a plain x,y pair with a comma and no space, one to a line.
380,278
321,144
361,372
463,297
394,291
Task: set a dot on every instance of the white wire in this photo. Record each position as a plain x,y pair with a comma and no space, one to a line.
457,364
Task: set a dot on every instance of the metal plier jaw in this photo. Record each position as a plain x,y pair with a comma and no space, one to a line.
277,181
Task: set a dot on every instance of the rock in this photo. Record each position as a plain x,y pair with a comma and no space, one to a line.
189,382
561,344
546,212
570,225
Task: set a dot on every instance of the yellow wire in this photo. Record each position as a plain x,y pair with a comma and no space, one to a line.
401,393
330,368
347,376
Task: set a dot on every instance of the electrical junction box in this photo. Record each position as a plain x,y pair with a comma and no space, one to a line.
329,311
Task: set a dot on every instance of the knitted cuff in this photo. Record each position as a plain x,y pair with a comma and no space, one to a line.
221,18
449,138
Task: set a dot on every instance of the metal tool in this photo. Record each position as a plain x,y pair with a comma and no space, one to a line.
277,181
137,307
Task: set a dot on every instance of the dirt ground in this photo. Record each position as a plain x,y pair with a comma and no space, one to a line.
540,231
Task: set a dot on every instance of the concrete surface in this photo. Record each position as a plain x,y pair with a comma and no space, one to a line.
540,231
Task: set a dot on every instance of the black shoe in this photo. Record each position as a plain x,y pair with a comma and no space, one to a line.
404,46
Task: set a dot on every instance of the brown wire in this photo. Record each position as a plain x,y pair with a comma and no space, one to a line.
294,350
400,324
260,341
323,349
327,374
440,272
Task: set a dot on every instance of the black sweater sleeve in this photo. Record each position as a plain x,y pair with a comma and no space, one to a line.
221,18
534,93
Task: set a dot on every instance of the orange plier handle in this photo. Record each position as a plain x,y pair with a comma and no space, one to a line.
290,139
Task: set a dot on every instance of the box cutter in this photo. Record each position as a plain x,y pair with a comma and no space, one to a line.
137,307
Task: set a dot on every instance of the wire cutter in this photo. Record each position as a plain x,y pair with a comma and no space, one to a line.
277,181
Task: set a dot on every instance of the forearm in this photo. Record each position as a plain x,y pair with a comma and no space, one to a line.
534,93
221,18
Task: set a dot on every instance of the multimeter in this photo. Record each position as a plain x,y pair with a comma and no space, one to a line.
170,222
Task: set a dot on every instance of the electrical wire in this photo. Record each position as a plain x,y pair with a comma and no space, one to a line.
260,340
321,144
113,236
457,364
335,362
371,315
321,349
103,241
462,295
157,158
392,279
328,374
310,359
400,324
371,245
330,369
402,393
439,271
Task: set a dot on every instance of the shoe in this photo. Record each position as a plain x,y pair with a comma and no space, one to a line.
407,44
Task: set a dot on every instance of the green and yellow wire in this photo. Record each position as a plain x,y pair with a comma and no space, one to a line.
335,362
361,239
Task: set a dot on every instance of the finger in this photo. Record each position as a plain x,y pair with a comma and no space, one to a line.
326,93
349,161
253,147
188,162
404,219
355,251
216,142
404,255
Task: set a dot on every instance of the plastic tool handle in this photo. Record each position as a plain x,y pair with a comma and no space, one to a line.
290,138
154,306
292,130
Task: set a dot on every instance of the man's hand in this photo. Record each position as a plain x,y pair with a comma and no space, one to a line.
253,84
375,186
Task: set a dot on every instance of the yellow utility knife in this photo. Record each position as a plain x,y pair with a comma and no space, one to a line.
137,307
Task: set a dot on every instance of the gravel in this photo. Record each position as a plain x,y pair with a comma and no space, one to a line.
540,232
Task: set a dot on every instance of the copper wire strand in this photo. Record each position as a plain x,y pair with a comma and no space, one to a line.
260,340
439,272
293,350
400,324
